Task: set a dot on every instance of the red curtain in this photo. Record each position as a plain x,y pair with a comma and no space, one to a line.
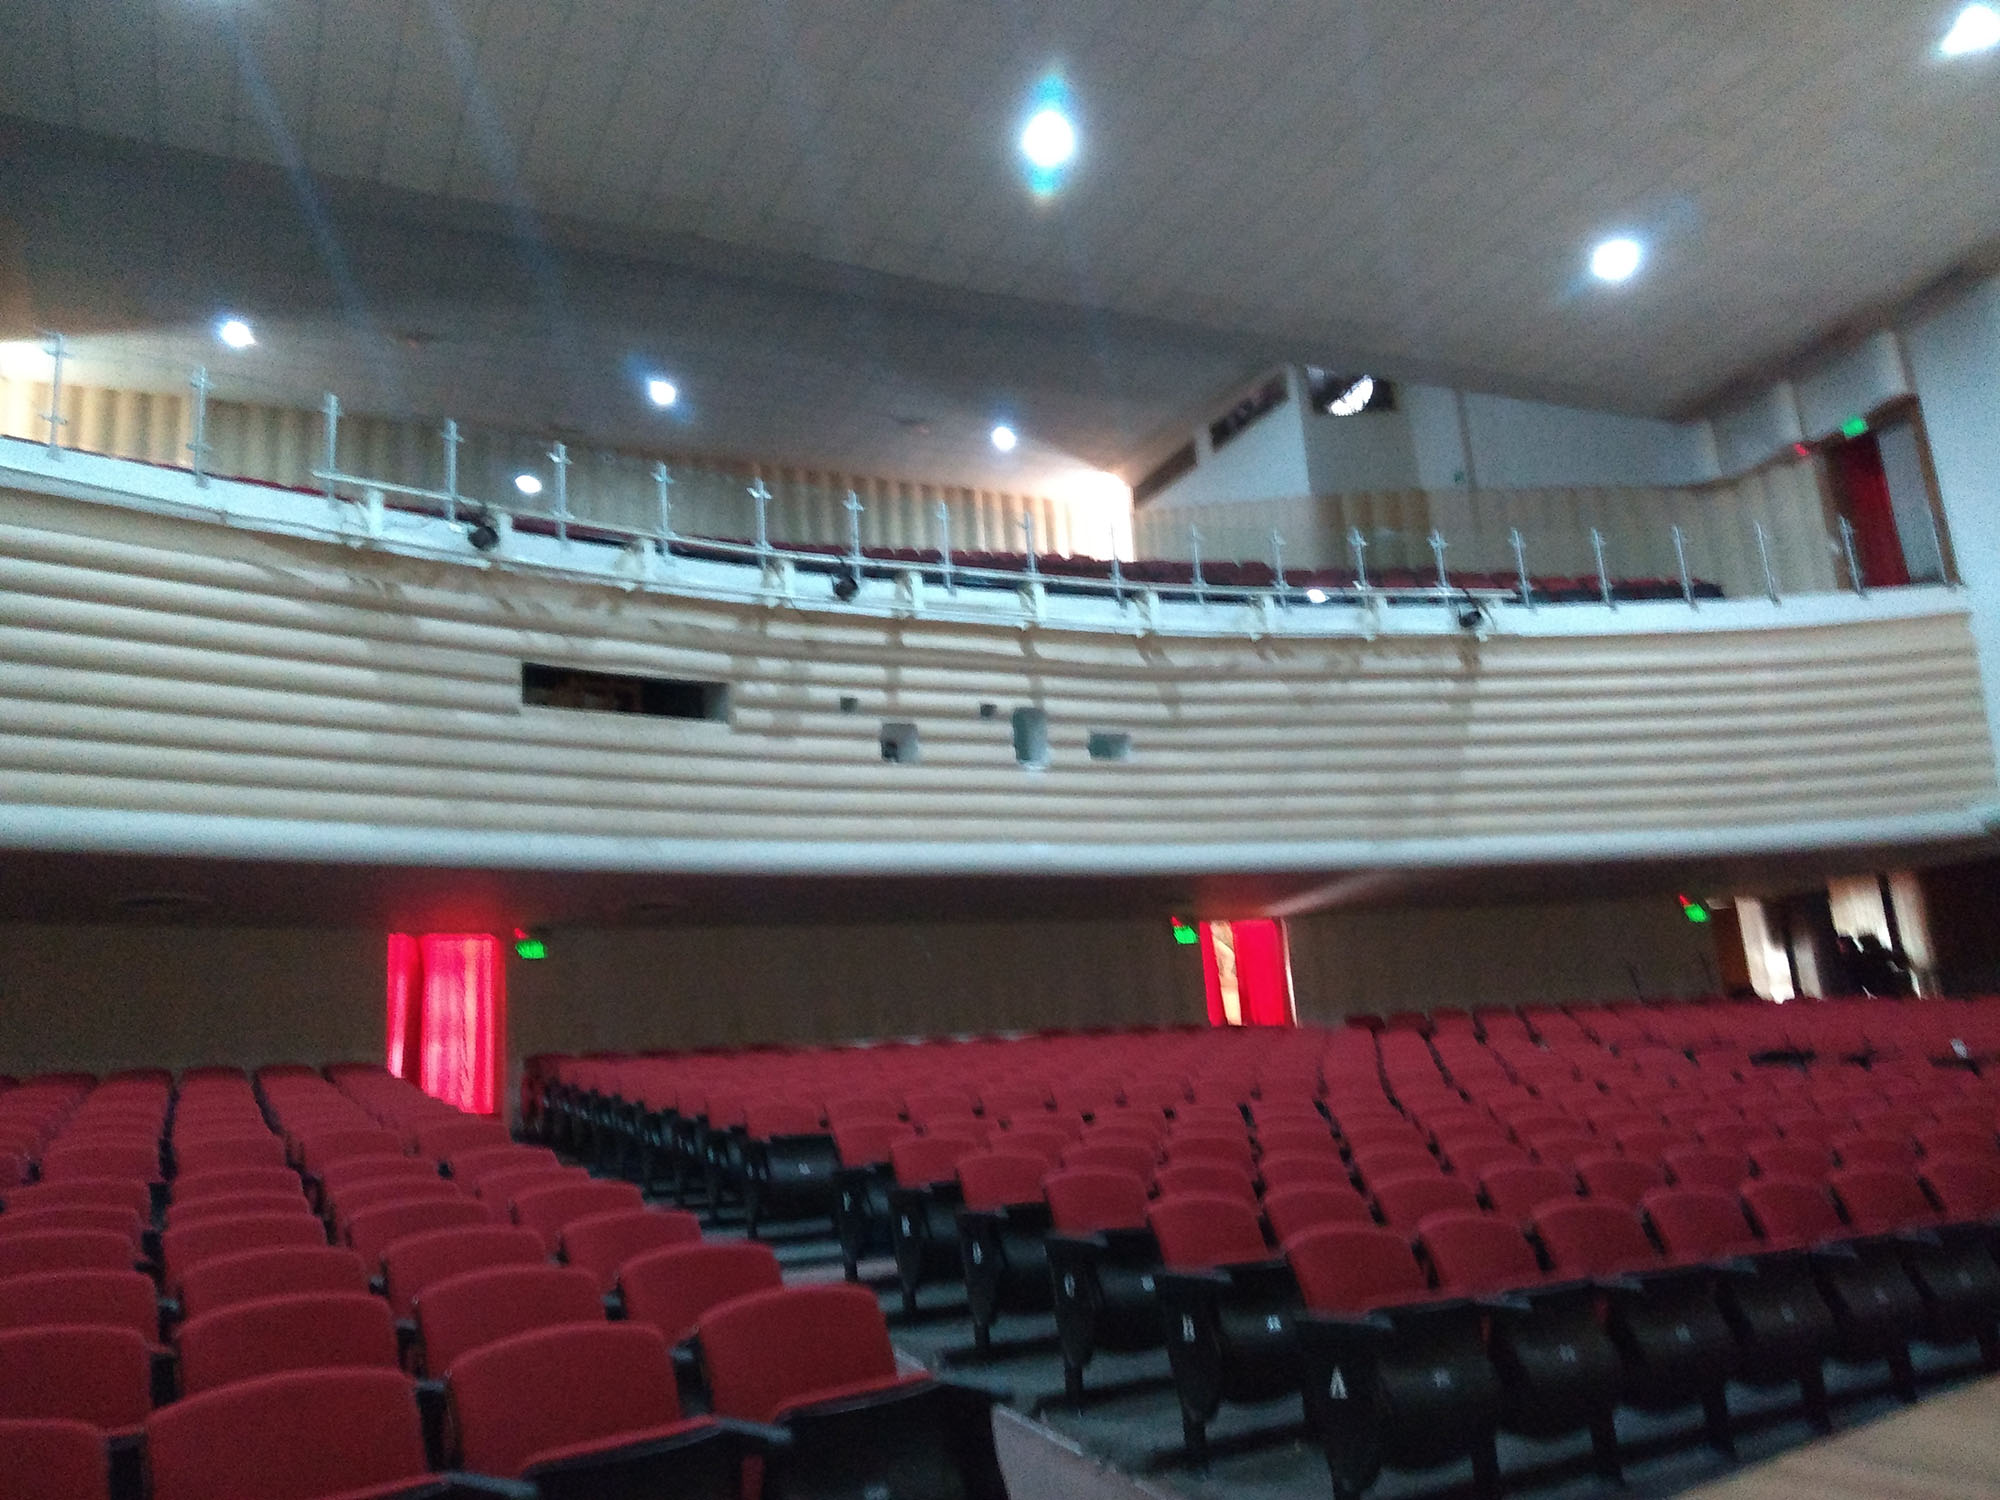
1864,488
1244,968
448,1016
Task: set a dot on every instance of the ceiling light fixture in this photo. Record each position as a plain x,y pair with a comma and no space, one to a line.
1315,596
1977,29
1005,438
236,333
1354,400
527,484
1617,260
662,392
1048,138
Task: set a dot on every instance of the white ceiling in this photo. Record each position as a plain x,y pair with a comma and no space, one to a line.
1408,183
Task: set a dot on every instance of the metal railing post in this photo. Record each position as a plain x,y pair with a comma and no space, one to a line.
852,505
330,413
1853,566
57,351
1681,556
1028,526
1117,569
663,481
1603,573
451,470
1764,558
1278,563
762,497
1437,551
1937,543
1194,556
198,447
943,514
1521,566
1357,544
559,456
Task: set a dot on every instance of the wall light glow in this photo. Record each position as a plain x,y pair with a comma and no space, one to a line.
527,484
1977,29
1005,438
1048,140
662,392
236,333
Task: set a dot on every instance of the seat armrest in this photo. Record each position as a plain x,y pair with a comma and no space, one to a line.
1371,1325
1918,1235
458,1482
1080,1245
765,1436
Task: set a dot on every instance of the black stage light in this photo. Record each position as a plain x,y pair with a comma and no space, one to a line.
846,583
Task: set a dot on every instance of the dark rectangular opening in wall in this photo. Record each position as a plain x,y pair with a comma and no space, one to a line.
544,686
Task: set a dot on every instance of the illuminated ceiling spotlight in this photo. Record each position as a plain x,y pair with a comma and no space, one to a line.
1617,260
1048,139
527,484
1315,596
1005,438
662,392
236,333
1977,29
1354,400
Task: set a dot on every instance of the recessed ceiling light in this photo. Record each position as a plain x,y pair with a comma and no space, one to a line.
1315,596
1004,438
1048,140
661,391
1616,260
236,333
527,484
1354,399
1977,29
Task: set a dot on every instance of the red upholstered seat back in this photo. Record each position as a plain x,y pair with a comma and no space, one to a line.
560,1388
1694,1166
671,1288
71,1216
1623,1179
1407,1201
601,1243
1967,1188
546,1209
865,1141
1879,1199
121,1299
1212,1178
474,1308
53,1460
1349,1268
994,1179
64,1250
234,1205
274,1272
1518,1190
188,1245
301,1331
1792,1210
1292,1210
1476,1253
1699,1223
1593,1237
373,1230
1084,1200
108,1192
774,1349
1283,1169
414,1263
1201,1230
920,1160
221,1151
79,1372
296,1436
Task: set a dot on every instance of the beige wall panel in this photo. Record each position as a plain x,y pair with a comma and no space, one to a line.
154,664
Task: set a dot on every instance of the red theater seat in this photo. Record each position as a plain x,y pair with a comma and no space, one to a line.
76,1372
303,1435
53,1460
475,1308
301,1331
373,1230
411,1264
275,1271
601,1243
118,1299
671,1288
64,1250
